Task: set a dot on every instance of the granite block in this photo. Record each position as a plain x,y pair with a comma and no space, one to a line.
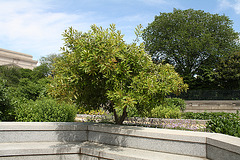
169,146
43,126
42,136
216,153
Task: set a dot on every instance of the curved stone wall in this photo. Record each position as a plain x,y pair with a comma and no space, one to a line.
49,140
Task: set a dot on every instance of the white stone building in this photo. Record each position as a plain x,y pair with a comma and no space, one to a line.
12,58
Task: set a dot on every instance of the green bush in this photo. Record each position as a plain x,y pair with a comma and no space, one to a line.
178,102
171,106
45,110
163,112
6,108
204,115
227,124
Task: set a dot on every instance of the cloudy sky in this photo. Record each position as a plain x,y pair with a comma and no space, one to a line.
35,26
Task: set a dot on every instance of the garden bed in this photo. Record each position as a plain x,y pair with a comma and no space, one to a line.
182,124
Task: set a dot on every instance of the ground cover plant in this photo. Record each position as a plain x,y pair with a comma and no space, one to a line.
206,115
227,124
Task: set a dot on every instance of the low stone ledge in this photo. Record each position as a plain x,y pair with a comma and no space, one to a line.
160,140
225,142
36,148
153,133
85,150
119,153
14,132
176,142
43,126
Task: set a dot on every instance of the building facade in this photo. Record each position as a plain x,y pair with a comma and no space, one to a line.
12,58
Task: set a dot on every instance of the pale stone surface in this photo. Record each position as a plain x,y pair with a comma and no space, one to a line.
225,142
90,151
230,106
167,134
47,157
37,148
146,141
123,153
170,146
18,59
216,153
43,136
43,126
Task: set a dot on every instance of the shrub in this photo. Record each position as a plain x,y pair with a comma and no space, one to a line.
82,110
45,110
178,102
163,112
6,108
171,106
227,124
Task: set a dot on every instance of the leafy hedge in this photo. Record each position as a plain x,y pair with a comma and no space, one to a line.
166,112
204,115
170,108
45,110
175,102
6,108
227,124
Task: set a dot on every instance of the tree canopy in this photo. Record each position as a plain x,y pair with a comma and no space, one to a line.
227,72
98,68
191,40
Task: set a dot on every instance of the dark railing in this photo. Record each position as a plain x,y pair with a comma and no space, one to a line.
210,95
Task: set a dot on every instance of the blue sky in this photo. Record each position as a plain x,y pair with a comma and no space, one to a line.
35,26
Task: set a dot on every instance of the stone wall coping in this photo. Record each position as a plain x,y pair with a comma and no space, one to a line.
153,133
92,150
225,142
212,101
42,126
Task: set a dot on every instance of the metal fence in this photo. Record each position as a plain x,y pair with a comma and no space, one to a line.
210,95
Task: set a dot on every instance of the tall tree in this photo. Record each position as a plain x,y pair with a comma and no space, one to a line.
98,68
46,63
191,40
228,72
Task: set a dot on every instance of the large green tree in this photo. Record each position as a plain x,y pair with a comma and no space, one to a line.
47,64
227,72
191,40
98,68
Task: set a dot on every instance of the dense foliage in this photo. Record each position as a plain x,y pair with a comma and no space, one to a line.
168,108
98,68
227,124
17,86
45,110
192,41
166,112
6,107
205,115
227,72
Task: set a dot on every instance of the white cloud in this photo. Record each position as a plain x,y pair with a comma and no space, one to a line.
154,2
233,4
30,25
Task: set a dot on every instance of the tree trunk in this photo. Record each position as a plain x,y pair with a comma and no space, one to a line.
119,120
